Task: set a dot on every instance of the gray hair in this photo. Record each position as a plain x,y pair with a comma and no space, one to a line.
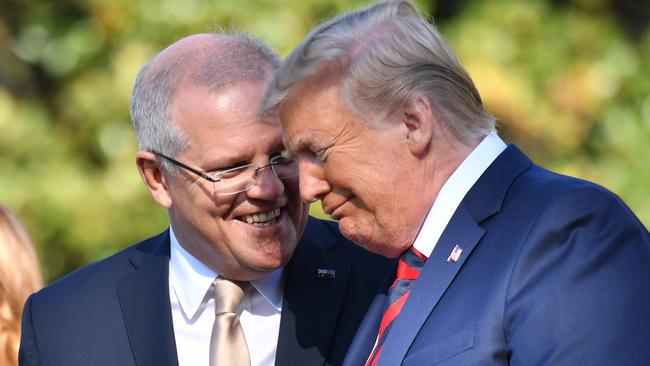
212,60
385,54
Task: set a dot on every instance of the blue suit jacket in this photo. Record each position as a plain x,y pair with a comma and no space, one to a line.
553,271
117,311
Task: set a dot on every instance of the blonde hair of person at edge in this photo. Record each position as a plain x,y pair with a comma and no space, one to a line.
20,275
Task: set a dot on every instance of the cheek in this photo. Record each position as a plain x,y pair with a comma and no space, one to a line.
363,177
297,208
301,218
222,206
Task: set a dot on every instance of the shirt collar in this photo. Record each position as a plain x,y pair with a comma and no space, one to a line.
455,189
191,280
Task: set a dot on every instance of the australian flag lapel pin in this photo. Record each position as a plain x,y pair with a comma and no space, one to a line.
326,274
455,254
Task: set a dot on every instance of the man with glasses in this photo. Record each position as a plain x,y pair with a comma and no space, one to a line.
230,282
501,261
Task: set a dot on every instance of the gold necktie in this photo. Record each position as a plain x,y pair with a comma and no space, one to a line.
227,343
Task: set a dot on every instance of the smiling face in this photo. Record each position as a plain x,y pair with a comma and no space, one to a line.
367,178
241,235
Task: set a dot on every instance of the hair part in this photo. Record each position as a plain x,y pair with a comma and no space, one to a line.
386,54
215,61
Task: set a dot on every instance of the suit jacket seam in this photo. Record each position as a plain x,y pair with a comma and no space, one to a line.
522,245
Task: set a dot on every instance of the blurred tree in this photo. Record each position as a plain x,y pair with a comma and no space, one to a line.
569,81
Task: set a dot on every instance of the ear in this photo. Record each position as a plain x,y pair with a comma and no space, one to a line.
153,178
418,117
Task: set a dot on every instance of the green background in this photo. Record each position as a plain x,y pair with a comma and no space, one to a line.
568,80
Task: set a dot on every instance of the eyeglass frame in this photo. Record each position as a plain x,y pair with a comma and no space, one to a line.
213,180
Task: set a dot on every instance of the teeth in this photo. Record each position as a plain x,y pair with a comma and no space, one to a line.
263,218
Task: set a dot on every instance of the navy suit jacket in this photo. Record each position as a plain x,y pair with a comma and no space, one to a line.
553,271
117,311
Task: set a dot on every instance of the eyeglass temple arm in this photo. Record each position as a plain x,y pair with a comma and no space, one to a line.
178,163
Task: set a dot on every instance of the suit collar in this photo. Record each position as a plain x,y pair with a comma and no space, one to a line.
453,191
366,334
487,195
482,201
313,296
191,280
144,298
435,278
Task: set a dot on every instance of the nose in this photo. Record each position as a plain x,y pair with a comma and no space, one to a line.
313,185
267,186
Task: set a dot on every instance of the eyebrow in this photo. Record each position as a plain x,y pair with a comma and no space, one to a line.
224,161
303,140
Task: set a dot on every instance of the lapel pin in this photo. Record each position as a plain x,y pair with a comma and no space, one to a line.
455,254
326,274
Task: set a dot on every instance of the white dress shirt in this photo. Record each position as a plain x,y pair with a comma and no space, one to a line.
455,189
192,306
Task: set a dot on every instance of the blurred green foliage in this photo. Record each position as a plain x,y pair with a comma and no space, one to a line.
568,80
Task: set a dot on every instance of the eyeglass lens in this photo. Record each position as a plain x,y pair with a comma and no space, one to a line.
244,178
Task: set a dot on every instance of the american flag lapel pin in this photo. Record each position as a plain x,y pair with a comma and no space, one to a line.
455,254
326,274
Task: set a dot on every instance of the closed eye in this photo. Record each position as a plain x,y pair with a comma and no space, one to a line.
321,154
311,155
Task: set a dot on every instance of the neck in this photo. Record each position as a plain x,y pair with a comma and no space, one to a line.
444,157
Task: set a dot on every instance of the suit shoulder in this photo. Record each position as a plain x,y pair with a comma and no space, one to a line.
88,280
558,211
544,188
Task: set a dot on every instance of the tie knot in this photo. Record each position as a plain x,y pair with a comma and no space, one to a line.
227,295
410,264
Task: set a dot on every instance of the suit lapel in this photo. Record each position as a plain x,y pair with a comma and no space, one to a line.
313,295
464,230
144,298
364,339
436,276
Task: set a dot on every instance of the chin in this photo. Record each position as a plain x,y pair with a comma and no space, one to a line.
369,242
351,231
269,260
364,242
268,265
384,250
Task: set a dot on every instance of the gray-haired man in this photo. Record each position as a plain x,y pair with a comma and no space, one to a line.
501,261
230,282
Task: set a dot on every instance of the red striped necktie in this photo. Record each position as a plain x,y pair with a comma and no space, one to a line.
408,270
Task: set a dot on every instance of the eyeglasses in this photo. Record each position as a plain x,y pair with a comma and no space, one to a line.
241,178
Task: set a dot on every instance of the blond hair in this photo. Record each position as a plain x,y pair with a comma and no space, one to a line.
20,276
